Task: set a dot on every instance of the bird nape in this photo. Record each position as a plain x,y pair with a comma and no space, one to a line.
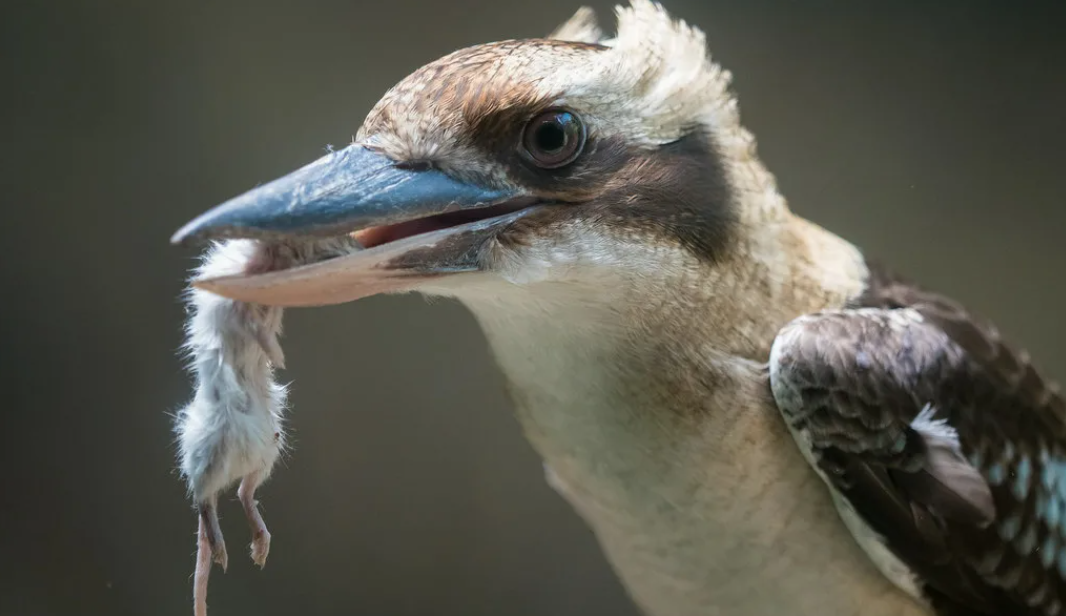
752,418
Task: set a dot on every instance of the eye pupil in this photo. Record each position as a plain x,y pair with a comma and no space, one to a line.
553,139
550,137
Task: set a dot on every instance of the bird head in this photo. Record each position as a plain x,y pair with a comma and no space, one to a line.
518,162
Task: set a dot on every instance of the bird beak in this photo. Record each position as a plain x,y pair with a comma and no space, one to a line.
414,223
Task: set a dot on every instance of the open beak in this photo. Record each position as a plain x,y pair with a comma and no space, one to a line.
415,224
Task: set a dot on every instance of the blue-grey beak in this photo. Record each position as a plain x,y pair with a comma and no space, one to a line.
347,190
417,224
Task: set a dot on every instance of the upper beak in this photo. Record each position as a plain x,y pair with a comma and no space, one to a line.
343,191
351,189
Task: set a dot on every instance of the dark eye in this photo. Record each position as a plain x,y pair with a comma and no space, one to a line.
554,138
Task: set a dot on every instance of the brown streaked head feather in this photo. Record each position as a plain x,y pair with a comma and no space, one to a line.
665,155
653,83
666,177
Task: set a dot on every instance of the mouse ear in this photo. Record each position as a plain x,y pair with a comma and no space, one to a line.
581,28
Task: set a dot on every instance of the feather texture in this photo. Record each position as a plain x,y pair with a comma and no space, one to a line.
581,28
942,438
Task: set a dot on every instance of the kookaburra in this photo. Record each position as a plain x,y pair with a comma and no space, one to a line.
751,417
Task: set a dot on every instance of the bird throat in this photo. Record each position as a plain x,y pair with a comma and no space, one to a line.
657,426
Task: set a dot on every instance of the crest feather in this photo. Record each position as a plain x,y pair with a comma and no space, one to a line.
581,28
664,64
678,85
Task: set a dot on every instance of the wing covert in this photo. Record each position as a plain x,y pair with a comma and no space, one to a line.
943,439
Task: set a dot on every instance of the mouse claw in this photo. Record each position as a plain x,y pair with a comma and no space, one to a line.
260,534
213,534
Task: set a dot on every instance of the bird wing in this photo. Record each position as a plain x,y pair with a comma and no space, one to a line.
942,438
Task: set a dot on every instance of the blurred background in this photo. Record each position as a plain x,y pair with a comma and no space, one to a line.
930,134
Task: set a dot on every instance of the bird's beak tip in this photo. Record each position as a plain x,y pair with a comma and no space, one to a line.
428,224
181,237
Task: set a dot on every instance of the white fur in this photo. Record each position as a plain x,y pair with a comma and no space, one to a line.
233,426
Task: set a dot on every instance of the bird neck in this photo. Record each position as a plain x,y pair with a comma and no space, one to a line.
649,405
609,369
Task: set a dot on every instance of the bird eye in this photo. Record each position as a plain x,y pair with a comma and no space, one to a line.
554,138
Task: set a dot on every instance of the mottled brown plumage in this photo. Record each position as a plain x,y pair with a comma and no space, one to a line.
853,381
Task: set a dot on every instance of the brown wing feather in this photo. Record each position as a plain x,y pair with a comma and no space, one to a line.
853,382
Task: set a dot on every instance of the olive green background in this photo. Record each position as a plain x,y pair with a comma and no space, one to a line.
929,133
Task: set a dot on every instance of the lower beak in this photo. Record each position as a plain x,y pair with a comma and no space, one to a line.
416,224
